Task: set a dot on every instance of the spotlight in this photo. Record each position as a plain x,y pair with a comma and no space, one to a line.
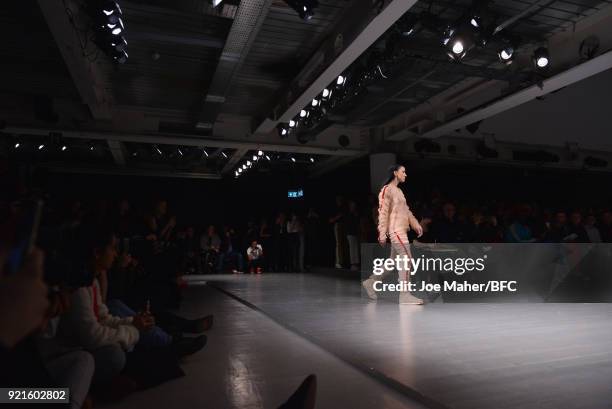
505,54
110,8
268,158
116,28
17,145
292,123
259,153
121,57
41,147
304,113
224,154
159,151
91,147
326,93
311,159
475,22
119,44
204,152
457,47
541,58
458,44
282,130
244,167
249,163
180,152
239,170
341,80
236,173
315,102
255,158
292,159
64,147
215,3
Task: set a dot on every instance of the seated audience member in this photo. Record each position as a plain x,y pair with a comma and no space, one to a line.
447,229
89,324
577,233
591,229
519,231
558,231
605,227
210,246
255,257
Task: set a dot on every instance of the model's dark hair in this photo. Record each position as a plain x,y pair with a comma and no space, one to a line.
391,173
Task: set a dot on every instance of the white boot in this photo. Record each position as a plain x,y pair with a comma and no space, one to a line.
406,298
368,286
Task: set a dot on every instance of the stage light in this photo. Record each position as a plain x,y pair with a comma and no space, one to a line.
292,159
236,173
268,158
17,145
292,123
224,154
204,152
505,54
475,21
135,153
255,158
244,167
41,147
121,57
249,163
457,47
259,153
119,44
311,159
282,130
326,93
303,113
116,28
541,58
215,3
110,8
180,152
64,147
159,151
341,80
91,147
315,102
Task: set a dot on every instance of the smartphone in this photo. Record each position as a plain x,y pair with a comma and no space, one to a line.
28,220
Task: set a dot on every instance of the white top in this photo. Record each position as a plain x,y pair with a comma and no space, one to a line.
255,253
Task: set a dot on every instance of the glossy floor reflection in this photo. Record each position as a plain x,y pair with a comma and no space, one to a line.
455,355
252,362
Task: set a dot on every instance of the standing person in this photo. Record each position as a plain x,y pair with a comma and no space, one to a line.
352,234
294,230
394,221
279,240
338,222
312,238
265,238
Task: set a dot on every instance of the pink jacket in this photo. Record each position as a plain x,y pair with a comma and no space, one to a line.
394,215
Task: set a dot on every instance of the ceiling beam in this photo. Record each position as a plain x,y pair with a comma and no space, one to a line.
117,149
247,22
231,163
353,40
88,77
578,73
185,140
127,172
330,164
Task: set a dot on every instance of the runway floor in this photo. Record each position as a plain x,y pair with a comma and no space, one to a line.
464,355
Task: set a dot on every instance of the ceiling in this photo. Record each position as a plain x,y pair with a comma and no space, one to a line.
176,50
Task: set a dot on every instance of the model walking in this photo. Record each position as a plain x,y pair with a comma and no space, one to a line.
394,221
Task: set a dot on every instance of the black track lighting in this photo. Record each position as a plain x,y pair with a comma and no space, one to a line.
541,58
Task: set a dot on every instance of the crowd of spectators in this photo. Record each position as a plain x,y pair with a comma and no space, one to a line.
91,308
